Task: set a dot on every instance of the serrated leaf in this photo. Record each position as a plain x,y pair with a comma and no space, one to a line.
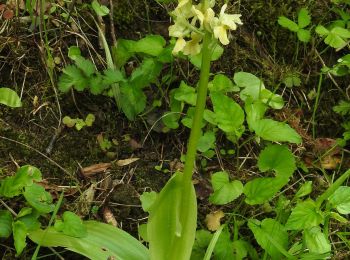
335,37
112,76
292,80
304,215
304,19
72,77
229,115
87,67
19,236
71,225
146,73
5,223
275,131
186,94
268,234
73,52
304,35
224,190
38,198
100,10
9,97
343,108
340,200
321,30
287,23
206,141
133,101
316,241
96,85
147,200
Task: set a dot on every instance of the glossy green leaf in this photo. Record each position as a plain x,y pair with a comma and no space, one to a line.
229,115
172,221
254,111
340,200
19,236
38,198
275,131
5,223
9,97
304,215
225,190
103,241
24,211
316,241
269,233
31,220
71,225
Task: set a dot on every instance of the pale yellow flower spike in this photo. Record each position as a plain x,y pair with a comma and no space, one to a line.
179,45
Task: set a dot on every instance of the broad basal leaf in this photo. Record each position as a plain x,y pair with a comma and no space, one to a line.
9,97
304,215
229,115
225,191
340,199
268,234
38,198
316,241
222,83
151,45
133,101
275,131
172,221
250,83
103,241
206,141
5,223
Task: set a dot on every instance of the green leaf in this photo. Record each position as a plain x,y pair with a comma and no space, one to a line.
13,186
152,45
304,35
147,200
103,241
343,108
304,190
19,236
73,52
96,85
172,221
273,100
259,190
142,231
287,23
71,225
229,115
100,10
278,158
38,198
222,83
9,97
122,52
217,51
68,121
224,247
250,83
275,131
133,101
255,111
304,215
340,200
321,30
304,19
90,119
87,67
270,235
316,241
24,211
5,223
336,37
146,73
186,94
224,190
203,238
112,76
292,80
72,76
171,119
206,141
31,220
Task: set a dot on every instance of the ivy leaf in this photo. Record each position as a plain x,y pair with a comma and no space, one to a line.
304,215
5,223
304,19
226,109
287,23
340,200
316,241
269,233
38,198
71,225
9,97
275,131
100,10
206,141
19,236
133,101
224,190
186,94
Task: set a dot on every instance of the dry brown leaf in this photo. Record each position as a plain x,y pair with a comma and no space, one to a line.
109,217
95,169
330,162
213,220
134,144
126,161
8,14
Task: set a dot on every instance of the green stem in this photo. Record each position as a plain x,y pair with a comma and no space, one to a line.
332,188
200,106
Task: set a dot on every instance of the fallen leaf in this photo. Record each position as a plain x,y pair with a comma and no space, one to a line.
126,161
95,169
330,162
109,217
2,7
134,144
213,220
8,14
